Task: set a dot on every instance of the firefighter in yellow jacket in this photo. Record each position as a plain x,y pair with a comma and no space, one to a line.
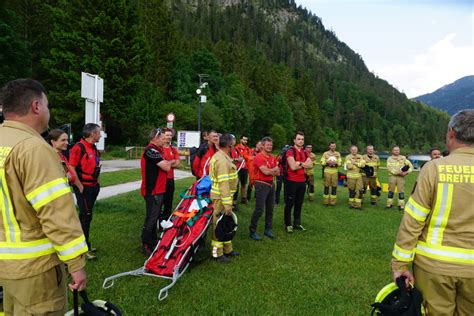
353,163
223,174
371,160
331,161
436,234
398,167
309,173
39,226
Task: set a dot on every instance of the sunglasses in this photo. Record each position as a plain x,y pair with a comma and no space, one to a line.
158,132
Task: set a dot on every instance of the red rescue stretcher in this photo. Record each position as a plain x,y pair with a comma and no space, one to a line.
178,243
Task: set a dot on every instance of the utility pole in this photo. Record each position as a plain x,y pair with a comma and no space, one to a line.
202,98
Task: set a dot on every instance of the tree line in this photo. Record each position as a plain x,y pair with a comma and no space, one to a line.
271,66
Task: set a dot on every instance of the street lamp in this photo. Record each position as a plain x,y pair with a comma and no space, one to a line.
202,98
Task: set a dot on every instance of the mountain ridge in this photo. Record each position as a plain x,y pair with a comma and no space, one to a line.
452,97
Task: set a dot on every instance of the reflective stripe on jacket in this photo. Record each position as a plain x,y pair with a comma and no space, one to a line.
373,161
395,163
353,164
223,174
39,226
437,229
324,161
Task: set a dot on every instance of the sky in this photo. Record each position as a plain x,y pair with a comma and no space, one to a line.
418,46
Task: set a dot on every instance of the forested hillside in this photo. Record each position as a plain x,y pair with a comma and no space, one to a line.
272,69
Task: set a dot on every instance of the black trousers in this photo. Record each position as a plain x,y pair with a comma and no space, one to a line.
153,211
168,200
294,197
265,195
86,201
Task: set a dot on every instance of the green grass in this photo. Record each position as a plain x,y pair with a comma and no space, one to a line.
114,152
121,176
336,267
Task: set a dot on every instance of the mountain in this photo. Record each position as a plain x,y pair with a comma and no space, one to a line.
272,68
452,97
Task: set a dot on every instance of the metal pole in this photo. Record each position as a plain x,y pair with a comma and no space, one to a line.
199,115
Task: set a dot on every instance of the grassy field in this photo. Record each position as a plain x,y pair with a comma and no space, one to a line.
336,267
118,177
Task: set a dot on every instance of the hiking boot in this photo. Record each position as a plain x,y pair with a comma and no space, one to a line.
269,234
300,227
233,253
222,259
90,256
401,208
389,206
289,229
93,249
373,203
254,236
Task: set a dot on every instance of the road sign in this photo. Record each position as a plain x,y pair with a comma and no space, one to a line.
170,117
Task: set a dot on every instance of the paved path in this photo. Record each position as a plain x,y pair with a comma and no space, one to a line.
131,186
115,165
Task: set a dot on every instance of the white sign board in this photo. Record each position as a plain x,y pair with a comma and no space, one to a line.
88,87
188,139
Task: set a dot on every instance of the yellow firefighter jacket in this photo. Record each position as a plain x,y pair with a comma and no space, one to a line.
373,161
353,165
223,174
310,172
395,163
437,228
39,226
324,161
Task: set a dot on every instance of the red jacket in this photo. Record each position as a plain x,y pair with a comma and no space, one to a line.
245,152
203,160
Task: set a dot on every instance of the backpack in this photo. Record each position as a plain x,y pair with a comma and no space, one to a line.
283,161
197,152
79,171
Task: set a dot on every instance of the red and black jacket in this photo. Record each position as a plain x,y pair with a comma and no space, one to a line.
153,177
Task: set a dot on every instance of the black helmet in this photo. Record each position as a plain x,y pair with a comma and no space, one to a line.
226,227
405,168
369,171
395,299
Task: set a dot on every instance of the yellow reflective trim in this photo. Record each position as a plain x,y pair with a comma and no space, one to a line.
48,192
382,294
441,213
445,253
12,229
25,250
218,244
44,187
402,254
72,249
447,212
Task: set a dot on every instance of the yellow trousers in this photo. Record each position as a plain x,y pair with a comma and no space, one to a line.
445,295
42,294
218,247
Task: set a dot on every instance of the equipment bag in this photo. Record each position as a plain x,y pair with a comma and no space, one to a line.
95,308
395,299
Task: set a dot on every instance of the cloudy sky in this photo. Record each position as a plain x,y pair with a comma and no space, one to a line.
416,45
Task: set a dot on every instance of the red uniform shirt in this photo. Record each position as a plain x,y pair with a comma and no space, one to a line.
153,177
85,164
245,152
298,155
268,161
170,153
